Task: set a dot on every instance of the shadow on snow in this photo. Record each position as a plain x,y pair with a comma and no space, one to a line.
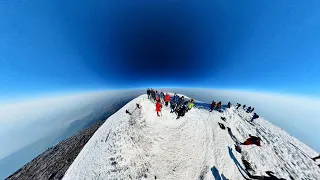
245,172
216,174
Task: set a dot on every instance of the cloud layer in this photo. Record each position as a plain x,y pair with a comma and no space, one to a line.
23,123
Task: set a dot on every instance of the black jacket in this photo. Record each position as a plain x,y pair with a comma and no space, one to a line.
180,102
153,94
182,110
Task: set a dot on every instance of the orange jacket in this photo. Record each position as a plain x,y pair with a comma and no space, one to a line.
167,98
158,106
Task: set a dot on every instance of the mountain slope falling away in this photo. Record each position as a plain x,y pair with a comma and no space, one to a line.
144,146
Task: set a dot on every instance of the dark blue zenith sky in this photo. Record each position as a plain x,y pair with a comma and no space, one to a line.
58,45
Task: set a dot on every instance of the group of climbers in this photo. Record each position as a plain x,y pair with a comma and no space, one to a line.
181,106
178,104
249,109
215,106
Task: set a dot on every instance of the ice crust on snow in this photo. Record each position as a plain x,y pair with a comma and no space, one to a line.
144,146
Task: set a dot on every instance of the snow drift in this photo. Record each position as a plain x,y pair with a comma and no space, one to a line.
144,146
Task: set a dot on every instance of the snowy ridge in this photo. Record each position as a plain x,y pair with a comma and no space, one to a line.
144,146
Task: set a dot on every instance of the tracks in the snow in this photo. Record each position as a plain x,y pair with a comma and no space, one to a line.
178,146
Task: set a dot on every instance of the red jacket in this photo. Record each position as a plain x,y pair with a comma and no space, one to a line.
253,140
158,106
167,98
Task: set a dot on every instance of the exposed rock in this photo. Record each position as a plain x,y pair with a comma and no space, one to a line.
53,163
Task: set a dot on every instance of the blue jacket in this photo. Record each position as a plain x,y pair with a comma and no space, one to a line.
180,102
175,99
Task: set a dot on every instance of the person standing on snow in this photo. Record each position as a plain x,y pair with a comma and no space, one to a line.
238,105
161,96
148,92
174,102
255,116
175,98
167,99
158,107
191,104
172,106
229,104
212,106
157,96
219,105
180,103
244,106
153,95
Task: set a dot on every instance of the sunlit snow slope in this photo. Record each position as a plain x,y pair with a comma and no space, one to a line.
144,146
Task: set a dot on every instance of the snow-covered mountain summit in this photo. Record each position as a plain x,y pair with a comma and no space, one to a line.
144,146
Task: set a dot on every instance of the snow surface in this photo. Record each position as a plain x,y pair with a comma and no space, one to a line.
144,146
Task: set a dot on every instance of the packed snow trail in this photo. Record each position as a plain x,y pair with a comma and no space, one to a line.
144,146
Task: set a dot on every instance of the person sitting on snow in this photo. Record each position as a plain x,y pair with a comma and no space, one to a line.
158,107
229,104
252,110
255,116
315,158
167,99
181,111
213,104
252,140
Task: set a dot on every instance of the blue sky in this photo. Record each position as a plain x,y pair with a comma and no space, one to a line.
55,46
